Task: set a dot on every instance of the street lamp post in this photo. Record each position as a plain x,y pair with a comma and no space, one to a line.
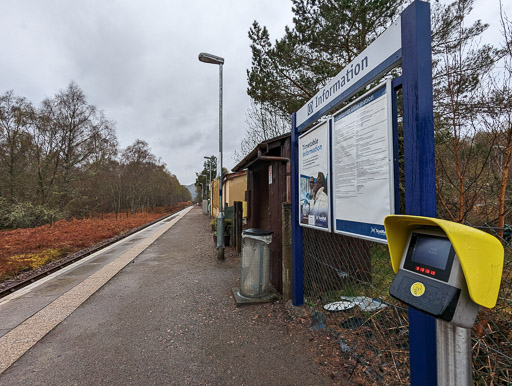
209,182
212,59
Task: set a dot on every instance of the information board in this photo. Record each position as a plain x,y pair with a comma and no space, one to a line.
314,184
378,58
362,160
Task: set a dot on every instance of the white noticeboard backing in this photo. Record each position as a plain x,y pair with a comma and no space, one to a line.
314,179
362,160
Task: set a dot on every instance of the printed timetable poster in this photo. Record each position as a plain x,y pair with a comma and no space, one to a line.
362,160
314,185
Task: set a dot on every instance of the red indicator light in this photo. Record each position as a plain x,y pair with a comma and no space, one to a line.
427,271
422,269
433,273
417,268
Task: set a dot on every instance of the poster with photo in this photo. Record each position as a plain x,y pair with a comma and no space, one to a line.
314,185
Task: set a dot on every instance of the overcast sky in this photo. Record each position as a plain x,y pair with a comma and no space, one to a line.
137,61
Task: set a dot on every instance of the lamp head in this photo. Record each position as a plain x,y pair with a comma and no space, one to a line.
209,58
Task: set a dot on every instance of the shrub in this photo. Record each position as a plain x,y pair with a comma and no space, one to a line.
25,215
228,223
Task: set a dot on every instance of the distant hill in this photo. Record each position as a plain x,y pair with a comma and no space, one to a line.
192,190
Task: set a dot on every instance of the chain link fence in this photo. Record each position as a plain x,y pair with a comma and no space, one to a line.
372,327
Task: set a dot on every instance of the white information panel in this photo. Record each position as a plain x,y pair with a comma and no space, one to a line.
362,160
314,185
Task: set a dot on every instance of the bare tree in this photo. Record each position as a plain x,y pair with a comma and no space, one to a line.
14,141
496,118
460,65
137,160
263,122
80,128
47,155
61,160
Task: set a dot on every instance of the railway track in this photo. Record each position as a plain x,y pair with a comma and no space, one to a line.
9,286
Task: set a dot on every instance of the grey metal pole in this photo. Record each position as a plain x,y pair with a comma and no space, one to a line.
210,189
454,364
220,218
209,182
213,59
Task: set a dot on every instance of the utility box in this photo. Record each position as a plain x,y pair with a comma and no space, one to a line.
254,275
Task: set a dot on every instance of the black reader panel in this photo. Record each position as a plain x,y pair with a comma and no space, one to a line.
430,256
427,295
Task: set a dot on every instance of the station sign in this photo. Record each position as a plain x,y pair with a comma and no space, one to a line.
378,58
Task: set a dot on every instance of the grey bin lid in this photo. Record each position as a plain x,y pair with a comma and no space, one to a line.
257,232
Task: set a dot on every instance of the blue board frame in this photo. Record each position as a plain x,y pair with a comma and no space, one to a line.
419,163
420,194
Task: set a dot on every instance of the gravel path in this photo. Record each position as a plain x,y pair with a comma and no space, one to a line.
169,318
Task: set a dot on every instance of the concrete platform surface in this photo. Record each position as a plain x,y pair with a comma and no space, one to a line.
159,311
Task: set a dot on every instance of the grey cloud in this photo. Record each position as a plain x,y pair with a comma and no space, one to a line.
137,61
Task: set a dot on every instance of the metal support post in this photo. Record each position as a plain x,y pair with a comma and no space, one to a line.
419,161
209,185
297,252
220,218
238,225
213,59
210,188
453,355
287,250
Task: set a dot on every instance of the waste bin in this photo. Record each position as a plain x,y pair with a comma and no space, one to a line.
254,277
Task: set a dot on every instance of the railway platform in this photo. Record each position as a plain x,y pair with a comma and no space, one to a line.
155,308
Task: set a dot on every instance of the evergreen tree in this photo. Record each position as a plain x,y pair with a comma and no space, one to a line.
326,36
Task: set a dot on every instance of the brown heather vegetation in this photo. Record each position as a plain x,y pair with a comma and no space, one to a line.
29,248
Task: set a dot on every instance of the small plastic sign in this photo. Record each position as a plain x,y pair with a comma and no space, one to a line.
418,289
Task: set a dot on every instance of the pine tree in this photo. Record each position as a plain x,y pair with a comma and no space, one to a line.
326,36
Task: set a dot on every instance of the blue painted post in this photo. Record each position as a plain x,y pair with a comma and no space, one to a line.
420,192
297,257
